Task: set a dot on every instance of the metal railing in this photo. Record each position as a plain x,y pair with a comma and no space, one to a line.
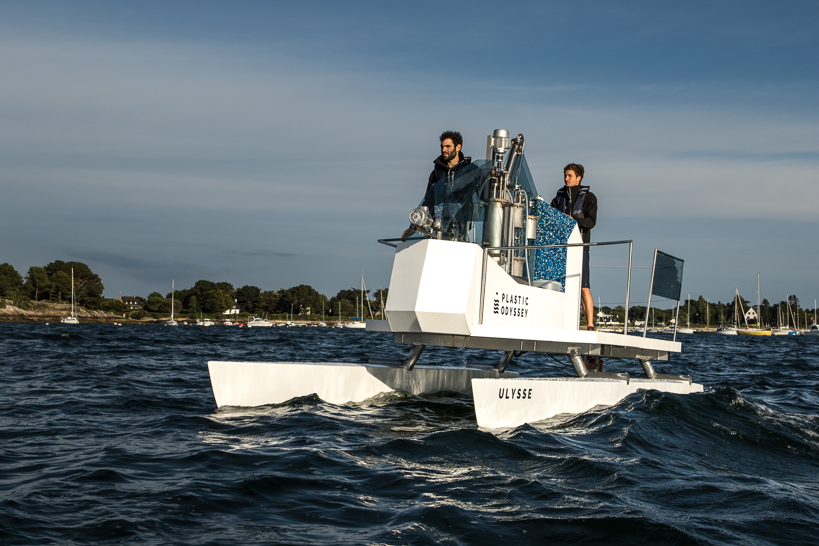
394,242
486,250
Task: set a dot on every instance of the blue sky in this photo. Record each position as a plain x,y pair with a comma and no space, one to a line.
271,143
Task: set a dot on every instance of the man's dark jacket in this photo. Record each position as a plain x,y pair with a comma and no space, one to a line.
581,204
443,172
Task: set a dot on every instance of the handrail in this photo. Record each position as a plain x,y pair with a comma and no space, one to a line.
388,242
630,243
486,250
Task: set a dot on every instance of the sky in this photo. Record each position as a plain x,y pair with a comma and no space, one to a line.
273,143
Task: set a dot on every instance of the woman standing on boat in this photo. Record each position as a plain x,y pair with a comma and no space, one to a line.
581,204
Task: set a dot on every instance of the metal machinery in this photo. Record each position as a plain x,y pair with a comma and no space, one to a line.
500,198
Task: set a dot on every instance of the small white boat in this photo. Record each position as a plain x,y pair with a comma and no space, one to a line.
227,322
687,329
732,330
748,331
814,328
259,322
73,318
356,324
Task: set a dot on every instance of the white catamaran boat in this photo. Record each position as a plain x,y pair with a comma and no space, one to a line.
497,269
73,318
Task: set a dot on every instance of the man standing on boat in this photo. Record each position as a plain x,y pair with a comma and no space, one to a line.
581,204
448,165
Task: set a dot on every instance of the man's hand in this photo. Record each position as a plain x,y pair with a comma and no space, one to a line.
407,233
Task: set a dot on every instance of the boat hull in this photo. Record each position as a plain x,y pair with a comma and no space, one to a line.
356,325
504,403
754,332
248,384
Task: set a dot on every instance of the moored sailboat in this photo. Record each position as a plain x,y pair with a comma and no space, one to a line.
758,331
171,321
73,318
687,329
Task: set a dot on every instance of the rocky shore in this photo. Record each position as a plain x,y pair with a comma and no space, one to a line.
53,312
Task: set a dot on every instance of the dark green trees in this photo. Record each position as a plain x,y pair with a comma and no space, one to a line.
11,283
53,283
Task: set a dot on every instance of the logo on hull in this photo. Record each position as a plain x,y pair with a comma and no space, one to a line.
511,305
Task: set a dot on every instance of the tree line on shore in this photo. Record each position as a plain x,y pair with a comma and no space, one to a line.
52,283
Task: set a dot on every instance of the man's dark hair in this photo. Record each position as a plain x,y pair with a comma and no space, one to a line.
455,136
576,168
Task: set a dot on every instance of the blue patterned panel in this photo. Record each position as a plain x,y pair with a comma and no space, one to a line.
553,228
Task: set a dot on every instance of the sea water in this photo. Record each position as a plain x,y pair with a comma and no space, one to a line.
110,435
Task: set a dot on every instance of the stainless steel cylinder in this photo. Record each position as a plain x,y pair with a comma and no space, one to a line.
531,227
517,215
517,266
493,225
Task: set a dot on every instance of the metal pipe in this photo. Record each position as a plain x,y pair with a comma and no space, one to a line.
578,364
648,368
413,356
505,360
676,321
650,290
483,284
628,288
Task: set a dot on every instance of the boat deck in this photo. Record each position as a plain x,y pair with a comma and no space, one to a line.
540,340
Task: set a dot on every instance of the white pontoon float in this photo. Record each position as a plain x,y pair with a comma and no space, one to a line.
498,269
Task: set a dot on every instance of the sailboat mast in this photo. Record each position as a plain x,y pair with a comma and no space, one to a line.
72,291
688,313
758,307
173,294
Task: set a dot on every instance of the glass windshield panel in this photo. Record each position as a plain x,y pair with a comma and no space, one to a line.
668,272
457,203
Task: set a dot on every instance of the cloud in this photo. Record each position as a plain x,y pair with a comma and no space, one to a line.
281,159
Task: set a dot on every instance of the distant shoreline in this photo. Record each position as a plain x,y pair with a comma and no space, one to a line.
46,312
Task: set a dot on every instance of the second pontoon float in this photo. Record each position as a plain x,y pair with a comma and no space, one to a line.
499,269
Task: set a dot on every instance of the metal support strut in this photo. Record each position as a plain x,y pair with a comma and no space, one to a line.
505,360
410,361
649,369
578,363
